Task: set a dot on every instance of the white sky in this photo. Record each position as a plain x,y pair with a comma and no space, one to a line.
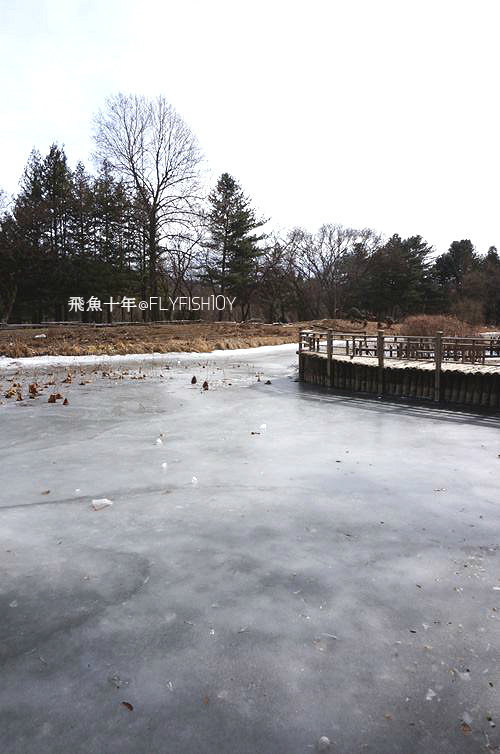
380,113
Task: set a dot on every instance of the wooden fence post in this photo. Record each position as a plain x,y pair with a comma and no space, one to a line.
438,355
380,354
301,357
329,351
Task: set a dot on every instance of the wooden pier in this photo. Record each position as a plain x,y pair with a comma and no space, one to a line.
437,368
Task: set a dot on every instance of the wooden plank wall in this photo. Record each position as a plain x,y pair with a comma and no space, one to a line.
472,389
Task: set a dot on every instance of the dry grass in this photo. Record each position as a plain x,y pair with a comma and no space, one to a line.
90,340
197,337
350,325
426,324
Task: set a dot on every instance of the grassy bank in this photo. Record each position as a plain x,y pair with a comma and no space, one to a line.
165,338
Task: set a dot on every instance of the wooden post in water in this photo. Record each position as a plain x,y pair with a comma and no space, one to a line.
438,355
380,354
329,350
301,357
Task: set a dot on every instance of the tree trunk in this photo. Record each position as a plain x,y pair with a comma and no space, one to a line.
8,299
223,279
152,266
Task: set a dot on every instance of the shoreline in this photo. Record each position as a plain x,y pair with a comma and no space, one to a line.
7,363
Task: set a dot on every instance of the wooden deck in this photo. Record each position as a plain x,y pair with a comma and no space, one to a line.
464,371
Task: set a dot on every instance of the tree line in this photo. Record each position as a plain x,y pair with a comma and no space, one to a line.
142,225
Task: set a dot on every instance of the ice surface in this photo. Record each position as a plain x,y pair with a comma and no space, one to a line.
283,598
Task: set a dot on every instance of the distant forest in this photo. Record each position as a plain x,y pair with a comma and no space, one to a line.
145,225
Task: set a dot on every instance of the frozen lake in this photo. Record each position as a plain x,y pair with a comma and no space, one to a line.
279,564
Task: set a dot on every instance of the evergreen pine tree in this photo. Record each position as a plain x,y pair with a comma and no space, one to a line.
232,265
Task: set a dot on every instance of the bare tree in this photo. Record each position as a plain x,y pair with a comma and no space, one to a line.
333,244
149,145
299,252
322,258
180,266
277,281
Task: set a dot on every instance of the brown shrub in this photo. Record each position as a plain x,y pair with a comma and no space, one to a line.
429,324
469,310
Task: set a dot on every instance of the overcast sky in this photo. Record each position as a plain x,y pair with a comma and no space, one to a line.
379,113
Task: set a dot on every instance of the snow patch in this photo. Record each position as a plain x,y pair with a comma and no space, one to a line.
157,358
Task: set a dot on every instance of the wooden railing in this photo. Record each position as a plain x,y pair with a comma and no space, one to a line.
410,347
434,349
